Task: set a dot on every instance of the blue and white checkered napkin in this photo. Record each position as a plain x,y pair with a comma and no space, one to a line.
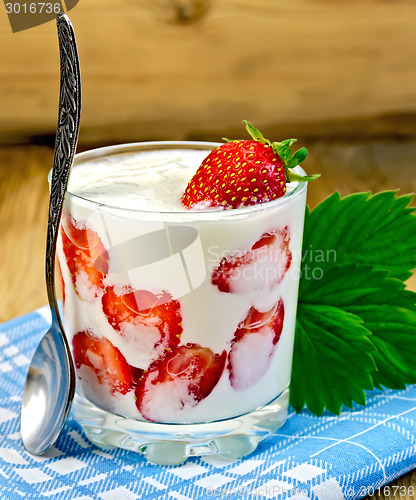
332,458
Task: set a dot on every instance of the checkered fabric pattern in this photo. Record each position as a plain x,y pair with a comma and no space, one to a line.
325,458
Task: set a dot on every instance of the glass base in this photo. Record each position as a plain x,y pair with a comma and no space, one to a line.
172,444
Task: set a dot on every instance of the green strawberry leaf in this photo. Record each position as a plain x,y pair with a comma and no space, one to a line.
356,273
283,149
378,230
384,313
284,145
292,177
393,335
350,285
255,134
332,364
298,157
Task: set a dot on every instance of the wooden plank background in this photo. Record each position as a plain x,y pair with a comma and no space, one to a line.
312,67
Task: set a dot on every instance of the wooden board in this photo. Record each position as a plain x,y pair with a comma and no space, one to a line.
187,68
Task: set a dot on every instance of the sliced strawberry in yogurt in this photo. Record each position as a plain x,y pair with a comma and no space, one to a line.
253,345
62,283
86,257
99,361
263,266
177,381
151,322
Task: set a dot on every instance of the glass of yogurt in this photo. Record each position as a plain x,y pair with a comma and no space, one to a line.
181,322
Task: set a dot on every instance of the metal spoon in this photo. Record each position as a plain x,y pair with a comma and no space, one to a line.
50,382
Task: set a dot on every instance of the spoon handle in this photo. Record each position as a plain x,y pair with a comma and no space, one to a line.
65,142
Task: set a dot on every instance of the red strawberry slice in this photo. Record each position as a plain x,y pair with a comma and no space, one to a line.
62,283
105,361
253,345
244,172
87,240
86,257
179,380
152,322
263,266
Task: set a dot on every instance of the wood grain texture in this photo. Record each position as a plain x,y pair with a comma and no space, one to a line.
148,73
23,220
24,201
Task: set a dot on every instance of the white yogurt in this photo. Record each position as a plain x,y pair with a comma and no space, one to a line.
131,201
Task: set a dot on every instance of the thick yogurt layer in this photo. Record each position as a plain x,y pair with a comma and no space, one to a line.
140,181
175,315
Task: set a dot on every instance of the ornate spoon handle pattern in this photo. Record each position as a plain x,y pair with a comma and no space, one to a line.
65,141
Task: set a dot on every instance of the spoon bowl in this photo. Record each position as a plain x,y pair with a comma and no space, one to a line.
48,392
50,383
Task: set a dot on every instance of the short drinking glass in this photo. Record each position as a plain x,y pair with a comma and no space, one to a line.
181,322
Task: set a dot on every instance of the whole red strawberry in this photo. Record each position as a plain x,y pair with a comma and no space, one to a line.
244,172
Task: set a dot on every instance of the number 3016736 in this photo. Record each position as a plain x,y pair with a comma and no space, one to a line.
392,491
33,8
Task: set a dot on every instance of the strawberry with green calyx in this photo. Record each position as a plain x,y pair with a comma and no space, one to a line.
244,172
